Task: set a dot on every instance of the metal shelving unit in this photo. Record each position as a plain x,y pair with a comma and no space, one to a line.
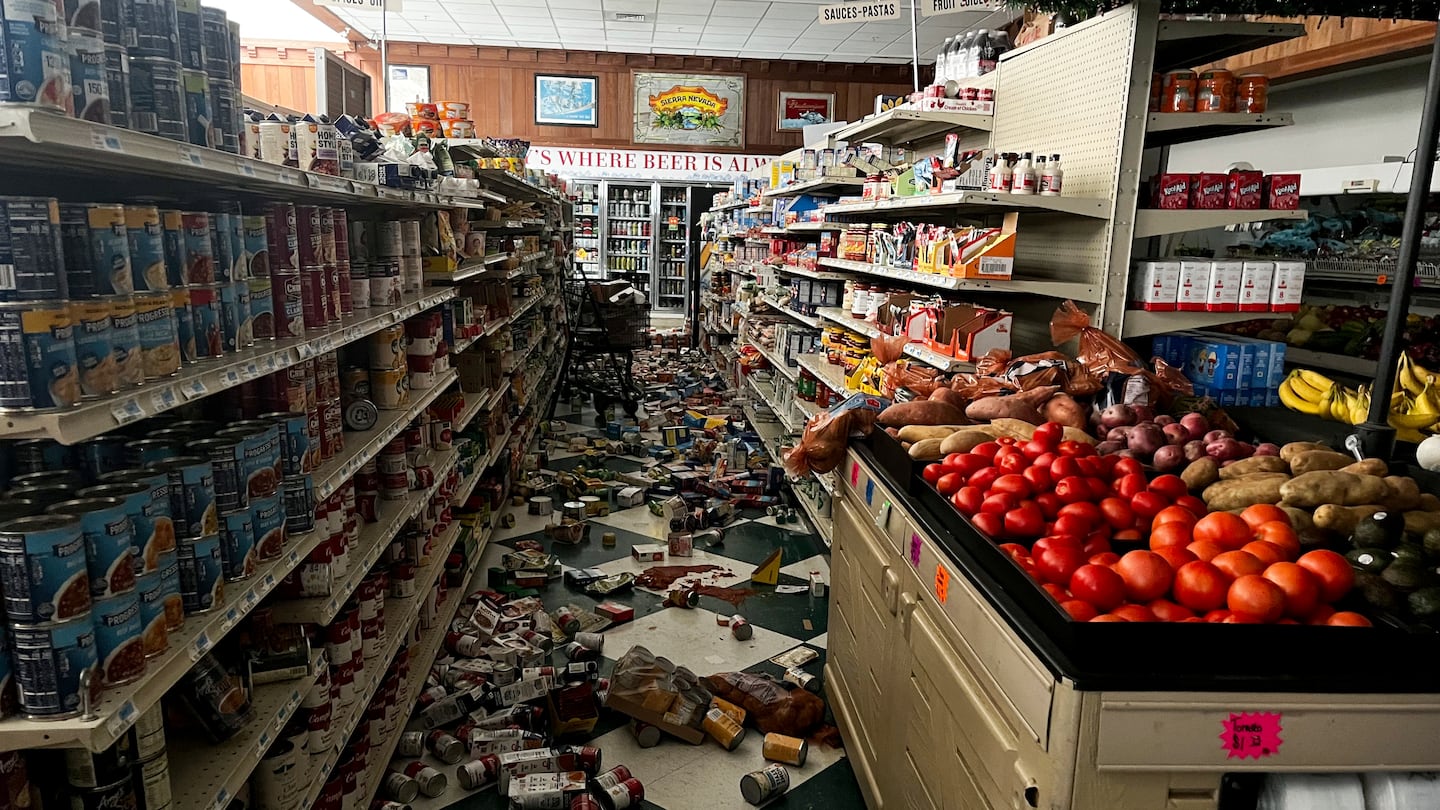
902,126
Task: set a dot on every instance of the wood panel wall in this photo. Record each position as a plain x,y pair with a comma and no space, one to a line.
499,84
1333,43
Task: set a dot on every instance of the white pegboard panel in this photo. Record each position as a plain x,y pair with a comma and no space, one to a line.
1062,248
1067,94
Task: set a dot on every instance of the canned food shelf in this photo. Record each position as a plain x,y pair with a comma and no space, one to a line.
212,780
104,413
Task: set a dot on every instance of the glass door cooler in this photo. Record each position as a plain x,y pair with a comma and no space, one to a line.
588,234
629,225
671,277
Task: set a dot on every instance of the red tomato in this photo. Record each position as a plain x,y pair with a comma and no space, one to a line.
1217,616
1014,484
1015,551
1175,514
1069,524
1049,434
1072,489
1280,534
950,483
1267,553
1200,586
1056,592
1013,463
1116,512
953,459
1098,585
989,524
1049,503
1204,550
1348,619
968,500
1126,536
1096,545
1090,465
1109,617
1127,466
1332,570
1302,590
1147,576
1033,450
1175,555
1057,564
1193,505
1045,460
1147,505
1169,534
1322,614
1007,441
1256,596
1073,448
1167,611
1130,485
1223,529
1025,521
1170,486
1134,613
1099,489
1261,513
998,503
986,449
1079,611
969,464
983,479
1054,541
1064,467
1086,511
1105,558
1236,617
1028,566
931,473
1039,478
1236,564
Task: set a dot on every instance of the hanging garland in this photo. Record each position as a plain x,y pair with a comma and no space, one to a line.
1376,9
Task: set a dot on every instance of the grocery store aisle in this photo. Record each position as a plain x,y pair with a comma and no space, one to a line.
676,775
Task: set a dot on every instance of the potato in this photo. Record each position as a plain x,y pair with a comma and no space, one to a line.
921,412
1077,435
1242,492
1429,502
926,449
1370,466
1255,464
915,433
1301,519
1313,460
988,409
1418,523
1320,487
1293,449
1020,429
1200,474
1343,519
1404,494
949,397
1370,490
1063,409
963,441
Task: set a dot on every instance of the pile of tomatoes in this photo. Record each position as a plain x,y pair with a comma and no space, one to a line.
1059,510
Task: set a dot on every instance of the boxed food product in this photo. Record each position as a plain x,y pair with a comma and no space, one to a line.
1243,189
648,552
1171,191
1224,292
1156,286
1289,286
1207,191
1256,279
1282,192
1194,285
1213,363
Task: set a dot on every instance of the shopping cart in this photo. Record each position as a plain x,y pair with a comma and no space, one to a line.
607,326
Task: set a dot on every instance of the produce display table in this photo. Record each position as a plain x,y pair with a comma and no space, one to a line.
939,658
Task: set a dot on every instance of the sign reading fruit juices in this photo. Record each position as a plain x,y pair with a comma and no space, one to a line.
639,164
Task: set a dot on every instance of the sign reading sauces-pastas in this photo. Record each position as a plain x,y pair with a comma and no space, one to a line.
859,12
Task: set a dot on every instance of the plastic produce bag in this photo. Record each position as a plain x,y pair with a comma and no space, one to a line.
1099,352
822,446
900,375
775,707
888,348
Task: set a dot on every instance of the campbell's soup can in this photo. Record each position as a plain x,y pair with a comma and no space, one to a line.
117,84
309,234
282,238
288,303
276,141
312,297
318,147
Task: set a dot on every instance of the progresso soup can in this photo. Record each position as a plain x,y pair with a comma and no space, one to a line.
199,248
153,29
190,34
33,65
129,361
262,308
145,238
202,573
38,363
237,544
53,663
159,336
43,569
150,588
226,460
119,638
230,316
170,582
184,324
262,467
90,91
149,511
96,241
192,494
30,245
157,96
109,542
197,106
172,229
227,109
206,312
267,520
117,84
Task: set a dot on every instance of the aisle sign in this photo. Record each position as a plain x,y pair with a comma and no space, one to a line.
934,8
853,13
642,164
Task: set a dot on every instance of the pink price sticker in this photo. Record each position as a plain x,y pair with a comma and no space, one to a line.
915,551
1251,734
855,474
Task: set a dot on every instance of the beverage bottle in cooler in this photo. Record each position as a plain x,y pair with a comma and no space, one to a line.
940,59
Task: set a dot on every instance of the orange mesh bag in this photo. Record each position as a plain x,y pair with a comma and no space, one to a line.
1099,352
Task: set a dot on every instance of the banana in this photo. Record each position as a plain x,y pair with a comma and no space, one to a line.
1412,376
1359,408
1304,389
1425,404
1315,379
1408,435
1340,404
1295,402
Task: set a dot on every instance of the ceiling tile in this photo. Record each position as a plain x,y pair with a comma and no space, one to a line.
738,8
764,43
559,4
712,52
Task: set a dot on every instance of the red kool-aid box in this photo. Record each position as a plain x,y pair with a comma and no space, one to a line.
1207,191
1170,191
1243,189
1282,192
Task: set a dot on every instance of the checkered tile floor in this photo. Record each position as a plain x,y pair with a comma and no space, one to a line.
676,775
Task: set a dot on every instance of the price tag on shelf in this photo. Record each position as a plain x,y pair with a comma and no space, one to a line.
127,412
164,399
243,166
250,372
232,617
231,378
192,157
108,141
251,600
304,351
199,646
222,799
942,583
262,744
121,720
194,388
294,557
269,581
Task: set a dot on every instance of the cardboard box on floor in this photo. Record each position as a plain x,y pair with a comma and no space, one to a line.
637,710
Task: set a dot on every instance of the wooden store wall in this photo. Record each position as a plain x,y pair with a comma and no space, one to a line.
499,83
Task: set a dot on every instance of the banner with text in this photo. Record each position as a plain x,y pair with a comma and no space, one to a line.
637,164
934,8
366,5
859,13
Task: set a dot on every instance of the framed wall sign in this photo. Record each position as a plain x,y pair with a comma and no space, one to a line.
688,108
799,109
571,101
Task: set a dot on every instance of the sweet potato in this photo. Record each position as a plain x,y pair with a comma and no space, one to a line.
963,441
1254,464
1404,494
921,412
915,433
1064,410
926,449
948,396
988,409
1429,502
1200,474
1242,492
1018,428
1343,519
1318,460
1293,449
1077,435
1418,523
1319,487
1370,466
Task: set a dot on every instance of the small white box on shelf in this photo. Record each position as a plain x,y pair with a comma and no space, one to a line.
1256,280
1157,285
1288,287
1224,293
